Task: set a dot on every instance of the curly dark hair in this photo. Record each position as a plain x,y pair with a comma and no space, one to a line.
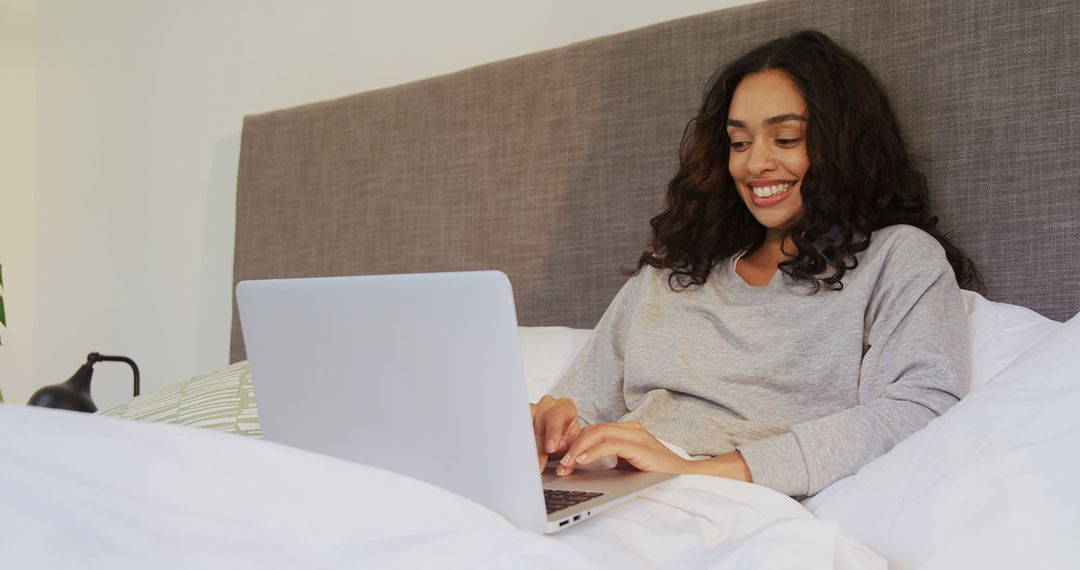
860,179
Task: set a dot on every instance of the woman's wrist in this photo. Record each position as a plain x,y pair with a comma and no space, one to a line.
730,465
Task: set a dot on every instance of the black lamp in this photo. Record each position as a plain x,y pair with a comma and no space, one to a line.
75,393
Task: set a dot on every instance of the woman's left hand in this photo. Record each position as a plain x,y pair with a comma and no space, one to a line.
630,442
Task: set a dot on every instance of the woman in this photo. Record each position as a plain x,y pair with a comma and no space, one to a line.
798,313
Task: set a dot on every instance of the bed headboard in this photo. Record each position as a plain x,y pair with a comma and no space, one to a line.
549,166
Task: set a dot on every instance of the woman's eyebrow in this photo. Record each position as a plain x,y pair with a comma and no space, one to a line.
770,121
784,118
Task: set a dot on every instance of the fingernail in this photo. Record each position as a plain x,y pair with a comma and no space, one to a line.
565,460
560,470
581,458
550,446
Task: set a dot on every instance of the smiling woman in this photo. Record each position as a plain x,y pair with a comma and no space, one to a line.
767,163
798,313
810,114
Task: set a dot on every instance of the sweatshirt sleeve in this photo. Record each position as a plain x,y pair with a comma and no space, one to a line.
916,366
595,379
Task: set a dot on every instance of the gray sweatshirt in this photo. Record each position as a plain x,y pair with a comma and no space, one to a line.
808,387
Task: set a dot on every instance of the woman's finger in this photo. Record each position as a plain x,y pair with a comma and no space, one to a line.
539,411
555,425
587,439
606,448
630,443
556,419
573,429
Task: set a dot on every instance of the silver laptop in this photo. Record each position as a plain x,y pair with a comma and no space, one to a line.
419,374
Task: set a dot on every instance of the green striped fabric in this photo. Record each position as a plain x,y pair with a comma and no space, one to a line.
222,400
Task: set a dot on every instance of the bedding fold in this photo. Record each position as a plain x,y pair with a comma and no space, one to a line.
122,494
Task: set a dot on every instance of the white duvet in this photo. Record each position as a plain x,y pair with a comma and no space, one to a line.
990,484
95,492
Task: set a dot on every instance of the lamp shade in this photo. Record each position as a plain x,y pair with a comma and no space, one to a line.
75,393
71,395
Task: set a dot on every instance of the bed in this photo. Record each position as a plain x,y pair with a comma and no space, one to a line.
548,168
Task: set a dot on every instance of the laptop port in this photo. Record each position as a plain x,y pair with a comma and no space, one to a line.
577,518
565,522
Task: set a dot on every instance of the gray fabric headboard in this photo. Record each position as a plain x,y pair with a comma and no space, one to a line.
549,166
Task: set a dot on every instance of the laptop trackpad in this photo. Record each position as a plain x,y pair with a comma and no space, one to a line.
600,480
602,464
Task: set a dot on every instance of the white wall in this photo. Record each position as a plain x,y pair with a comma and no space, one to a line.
18,70
139,108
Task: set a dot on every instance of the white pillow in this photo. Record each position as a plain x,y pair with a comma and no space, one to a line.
1000,333
993,483
548,352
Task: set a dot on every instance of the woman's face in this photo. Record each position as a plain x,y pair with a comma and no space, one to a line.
767,127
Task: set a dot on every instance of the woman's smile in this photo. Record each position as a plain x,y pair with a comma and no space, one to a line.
769,192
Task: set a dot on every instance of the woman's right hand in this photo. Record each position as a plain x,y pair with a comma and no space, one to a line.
555,425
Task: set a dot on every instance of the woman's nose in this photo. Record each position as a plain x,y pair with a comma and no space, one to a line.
760,159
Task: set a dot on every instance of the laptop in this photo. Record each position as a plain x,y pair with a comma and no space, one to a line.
419,374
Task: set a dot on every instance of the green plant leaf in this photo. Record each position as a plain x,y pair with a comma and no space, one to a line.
3,318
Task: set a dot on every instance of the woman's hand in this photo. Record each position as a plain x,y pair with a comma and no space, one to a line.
630,442
635,446
555,425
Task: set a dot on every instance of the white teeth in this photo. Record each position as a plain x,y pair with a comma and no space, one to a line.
766,191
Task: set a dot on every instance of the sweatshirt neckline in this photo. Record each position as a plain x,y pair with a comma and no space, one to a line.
734,276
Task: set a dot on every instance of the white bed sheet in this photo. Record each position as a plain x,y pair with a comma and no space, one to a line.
91,491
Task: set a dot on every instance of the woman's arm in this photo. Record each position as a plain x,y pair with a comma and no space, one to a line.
730,465
634,445
594,381
591,390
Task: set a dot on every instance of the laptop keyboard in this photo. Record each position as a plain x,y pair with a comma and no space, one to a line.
559,499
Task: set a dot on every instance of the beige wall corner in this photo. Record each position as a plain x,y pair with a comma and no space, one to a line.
18,62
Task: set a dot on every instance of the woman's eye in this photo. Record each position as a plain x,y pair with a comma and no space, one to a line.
739,145
788,142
